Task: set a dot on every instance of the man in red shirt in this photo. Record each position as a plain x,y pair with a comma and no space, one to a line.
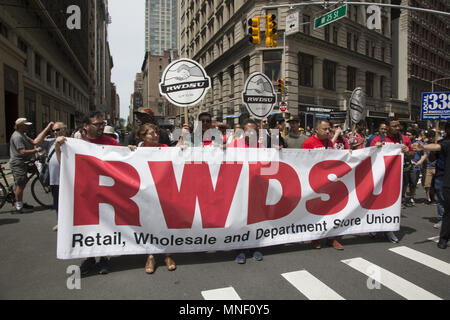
321,140
393,135
94,125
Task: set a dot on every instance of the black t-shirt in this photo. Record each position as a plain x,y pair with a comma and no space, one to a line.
445,150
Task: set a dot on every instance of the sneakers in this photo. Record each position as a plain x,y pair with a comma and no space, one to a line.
240,258
258,256
23,207
442,244
103,265
87,266
391,237
438,225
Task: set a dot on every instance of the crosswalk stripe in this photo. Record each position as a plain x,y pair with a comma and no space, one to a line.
310,286
422,258
221,294
397,284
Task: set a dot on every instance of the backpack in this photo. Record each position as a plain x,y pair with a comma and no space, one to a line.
44,174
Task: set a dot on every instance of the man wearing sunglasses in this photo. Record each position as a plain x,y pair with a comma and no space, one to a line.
94,124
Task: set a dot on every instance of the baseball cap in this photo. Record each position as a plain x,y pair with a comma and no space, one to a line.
23,121
294,118
144,110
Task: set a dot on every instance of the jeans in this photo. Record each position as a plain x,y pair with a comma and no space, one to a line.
445,229
438,182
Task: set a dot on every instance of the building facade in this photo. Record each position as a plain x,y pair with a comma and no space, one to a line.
49,72
421,42
160,26
321,67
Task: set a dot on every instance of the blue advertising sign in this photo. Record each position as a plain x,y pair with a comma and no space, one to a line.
435,106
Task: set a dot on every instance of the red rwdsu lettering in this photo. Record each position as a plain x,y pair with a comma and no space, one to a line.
338,192
391,183
259,186
178,206
88,194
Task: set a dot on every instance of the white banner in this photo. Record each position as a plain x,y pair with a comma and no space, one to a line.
113,201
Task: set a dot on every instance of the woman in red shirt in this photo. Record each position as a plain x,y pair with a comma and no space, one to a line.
149,134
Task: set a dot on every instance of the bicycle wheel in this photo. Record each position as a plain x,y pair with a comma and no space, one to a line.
3,195
41,194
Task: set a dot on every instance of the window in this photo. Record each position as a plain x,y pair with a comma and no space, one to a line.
49,73
355,43
329,75
306,24
382,87
37,65
349,40
369,84
367,47
335,35
24,48
351,78
327,33
272,64
305,69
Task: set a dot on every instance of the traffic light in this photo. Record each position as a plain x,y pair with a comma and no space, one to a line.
281,86
271,30
254,31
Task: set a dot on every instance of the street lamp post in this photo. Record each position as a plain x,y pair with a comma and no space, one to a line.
433,81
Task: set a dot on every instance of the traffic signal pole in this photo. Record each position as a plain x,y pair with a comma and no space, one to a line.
309,3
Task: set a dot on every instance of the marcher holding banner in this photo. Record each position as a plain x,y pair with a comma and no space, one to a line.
321,140
393,135
94,125
148,134
250,140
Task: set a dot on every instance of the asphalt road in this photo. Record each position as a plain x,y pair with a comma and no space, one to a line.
29,268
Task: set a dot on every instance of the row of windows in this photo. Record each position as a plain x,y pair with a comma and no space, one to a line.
306,74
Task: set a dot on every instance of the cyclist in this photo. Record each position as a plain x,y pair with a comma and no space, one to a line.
22,149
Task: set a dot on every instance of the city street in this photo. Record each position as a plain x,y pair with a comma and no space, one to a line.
407,270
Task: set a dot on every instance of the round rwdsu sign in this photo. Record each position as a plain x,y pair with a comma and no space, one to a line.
258,95
184,83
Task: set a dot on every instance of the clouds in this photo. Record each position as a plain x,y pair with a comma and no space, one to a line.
126,36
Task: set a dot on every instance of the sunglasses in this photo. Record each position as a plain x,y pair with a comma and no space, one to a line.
56,130
98,124
205,120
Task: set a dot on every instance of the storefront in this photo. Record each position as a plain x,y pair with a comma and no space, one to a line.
310,113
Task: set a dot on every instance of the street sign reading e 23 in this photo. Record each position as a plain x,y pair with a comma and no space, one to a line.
435,106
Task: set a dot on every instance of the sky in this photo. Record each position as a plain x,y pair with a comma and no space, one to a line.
126,36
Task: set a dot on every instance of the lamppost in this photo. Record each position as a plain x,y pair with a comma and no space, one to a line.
433,81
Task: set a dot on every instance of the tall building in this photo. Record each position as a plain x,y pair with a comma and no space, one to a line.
160,26
48,71
152,70
421,45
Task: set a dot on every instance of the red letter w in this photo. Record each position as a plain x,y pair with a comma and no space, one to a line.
179,206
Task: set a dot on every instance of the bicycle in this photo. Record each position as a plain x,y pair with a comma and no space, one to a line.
42,194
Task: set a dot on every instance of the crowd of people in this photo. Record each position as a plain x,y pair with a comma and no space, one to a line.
425,152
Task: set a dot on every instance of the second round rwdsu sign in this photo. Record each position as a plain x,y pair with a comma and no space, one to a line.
184,83
258,95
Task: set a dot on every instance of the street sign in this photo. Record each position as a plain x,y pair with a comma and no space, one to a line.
283,106
292,23
435,106
330,17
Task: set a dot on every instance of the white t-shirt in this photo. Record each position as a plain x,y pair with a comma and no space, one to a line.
53,164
